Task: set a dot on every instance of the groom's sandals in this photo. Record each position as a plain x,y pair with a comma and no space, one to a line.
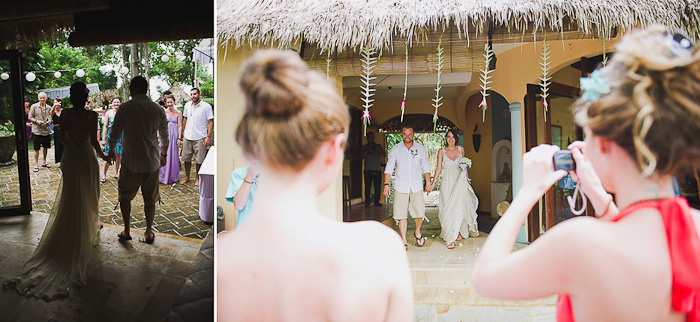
123,237
420,241
149,240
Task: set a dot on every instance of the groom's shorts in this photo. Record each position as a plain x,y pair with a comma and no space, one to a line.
129,183
405,203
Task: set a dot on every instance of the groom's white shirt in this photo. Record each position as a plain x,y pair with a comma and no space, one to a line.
410,166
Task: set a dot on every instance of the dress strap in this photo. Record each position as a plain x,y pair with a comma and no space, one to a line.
684,250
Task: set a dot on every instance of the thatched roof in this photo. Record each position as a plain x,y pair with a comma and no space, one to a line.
97,22
181,97
341,24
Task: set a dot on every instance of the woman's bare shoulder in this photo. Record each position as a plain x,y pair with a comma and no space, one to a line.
695,214
374,235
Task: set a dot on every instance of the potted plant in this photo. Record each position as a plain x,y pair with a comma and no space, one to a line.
7,141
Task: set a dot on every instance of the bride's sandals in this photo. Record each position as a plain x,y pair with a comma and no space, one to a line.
459,237
420,241
451,245
103,179
123,237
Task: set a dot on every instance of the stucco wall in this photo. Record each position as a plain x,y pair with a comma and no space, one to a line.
229,154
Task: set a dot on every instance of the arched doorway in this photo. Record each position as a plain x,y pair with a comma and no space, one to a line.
428,134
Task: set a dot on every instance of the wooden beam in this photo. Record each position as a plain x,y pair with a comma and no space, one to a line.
127,35
12,10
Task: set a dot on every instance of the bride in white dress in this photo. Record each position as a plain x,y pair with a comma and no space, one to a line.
59,262
457,202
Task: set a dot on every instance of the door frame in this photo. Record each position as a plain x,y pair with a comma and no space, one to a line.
531,99
25,206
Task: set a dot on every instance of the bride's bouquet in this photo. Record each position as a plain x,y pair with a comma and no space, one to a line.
465,163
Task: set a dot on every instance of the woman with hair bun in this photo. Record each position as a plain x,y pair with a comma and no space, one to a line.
289,262
641,119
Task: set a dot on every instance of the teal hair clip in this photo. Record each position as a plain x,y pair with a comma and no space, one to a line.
594,86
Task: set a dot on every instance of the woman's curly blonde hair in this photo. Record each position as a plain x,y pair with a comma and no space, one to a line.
653,108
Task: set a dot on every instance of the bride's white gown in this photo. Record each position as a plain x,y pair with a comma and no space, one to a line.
59,262
457,202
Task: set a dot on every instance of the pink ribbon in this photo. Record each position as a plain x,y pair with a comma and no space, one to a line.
366,115
483,103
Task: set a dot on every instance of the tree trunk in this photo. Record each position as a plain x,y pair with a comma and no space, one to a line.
134,60
147,66
125,77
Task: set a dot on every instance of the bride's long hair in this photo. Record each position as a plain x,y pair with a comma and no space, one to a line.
78,96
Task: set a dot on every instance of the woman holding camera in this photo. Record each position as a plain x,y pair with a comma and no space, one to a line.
641,119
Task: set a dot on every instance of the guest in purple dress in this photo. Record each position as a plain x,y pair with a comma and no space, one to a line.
27,105
170,173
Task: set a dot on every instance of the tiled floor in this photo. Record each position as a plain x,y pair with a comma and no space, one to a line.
178,215
196,299
131,281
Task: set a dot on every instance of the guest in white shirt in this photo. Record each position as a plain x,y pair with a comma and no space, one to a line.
410,160
142,121
197,129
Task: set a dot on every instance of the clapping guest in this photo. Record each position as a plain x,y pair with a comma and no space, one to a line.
56,119
241,191
171,171
107,122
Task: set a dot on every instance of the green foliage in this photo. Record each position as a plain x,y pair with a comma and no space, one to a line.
56,55
7,129
180,66
207,84
59,56
32,60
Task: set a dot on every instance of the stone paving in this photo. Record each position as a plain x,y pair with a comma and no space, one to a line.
178,215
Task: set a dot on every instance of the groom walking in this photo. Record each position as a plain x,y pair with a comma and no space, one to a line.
410,160
141,120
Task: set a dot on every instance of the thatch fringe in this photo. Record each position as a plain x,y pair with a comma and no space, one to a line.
25,33
342,24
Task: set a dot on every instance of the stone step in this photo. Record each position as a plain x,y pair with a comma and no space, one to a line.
443,290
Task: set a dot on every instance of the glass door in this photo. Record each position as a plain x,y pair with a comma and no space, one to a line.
15,192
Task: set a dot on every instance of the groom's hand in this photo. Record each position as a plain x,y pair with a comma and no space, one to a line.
386,191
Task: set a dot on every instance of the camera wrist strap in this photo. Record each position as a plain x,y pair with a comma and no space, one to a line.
572,201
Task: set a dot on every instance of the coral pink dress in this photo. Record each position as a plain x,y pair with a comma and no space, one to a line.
684,248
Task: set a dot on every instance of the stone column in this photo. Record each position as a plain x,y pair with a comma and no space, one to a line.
517,153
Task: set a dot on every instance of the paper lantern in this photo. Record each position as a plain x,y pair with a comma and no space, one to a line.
5,76
80,73
57,74
103,69
30,77
124,70
164,58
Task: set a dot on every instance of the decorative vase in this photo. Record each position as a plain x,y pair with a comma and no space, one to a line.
7,148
